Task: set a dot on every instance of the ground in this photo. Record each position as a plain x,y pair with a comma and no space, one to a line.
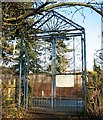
39,116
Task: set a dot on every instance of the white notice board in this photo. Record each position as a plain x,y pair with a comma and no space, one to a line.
64,81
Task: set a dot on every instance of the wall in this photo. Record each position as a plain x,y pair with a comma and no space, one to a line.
41,84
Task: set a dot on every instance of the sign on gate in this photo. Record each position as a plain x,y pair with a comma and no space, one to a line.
64,81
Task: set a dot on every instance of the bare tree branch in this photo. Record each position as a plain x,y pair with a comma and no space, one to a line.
71,4
44,7
27,14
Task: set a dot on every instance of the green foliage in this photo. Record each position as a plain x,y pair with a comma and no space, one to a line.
94,95
9,8
10,100
13,113
62,59
96,68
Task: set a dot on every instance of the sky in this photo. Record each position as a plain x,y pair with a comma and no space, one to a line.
92,25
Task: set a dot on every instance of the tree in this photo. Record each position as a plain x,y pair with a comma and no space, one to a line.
21,25
94,94
26,10
25,13
17,18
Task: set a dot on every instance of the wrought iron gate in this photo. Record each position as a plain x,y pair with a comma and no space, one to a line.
61,51
68,97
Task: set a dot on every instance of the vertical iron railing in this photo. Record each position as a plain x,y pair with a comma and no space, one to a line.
85,71
26,76
20,71
82,50
85,57
83,47
53,96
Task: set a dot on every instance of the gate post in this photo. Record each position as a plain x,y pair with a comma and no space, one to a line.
20,73
83,42
26,76
53,95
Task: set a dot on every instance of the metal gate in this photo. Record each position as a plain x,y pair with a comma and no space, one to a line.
62,88
58,82
68,93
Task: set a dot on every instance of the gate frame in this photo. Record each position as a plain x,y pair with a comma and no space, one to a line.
77,31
